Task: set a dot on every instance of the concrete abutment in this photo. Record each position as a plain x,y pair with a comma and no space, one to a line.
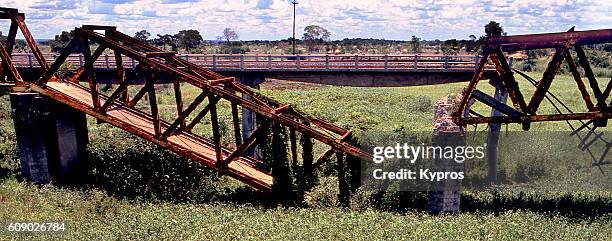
51,138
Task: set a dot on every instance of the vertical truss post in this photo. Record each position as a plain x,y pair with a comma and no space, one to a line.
215,129
121,76
236,123
179,99
88,71
153,103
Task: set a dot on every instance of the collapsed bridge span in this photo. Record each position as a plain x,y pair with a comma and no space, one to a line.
176,134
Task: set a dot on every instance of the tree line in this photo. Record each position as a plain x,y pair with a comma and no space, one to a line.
314,39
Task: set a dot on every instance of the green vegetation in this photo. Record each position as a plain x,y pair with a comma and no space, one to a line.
139,191
94,214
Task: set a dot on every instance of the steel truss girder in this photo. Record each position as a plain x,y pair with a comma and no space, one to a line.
152,63
526,112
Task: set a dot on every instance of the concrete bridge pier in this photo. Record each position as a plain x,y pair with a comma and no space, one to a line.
249,118
51,139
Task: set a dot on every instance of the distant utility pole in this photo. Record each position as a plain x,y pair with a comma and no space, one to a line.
294,2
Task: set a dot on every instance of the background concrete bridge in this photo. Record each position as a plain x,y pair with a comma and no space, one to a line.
343,70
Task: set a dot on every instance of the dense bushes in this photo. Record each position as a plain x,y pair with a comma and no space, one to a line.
141,170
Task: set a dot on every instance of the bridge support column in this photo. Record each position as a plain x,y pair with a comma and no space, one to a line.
51,139
447,194
72,139
249,118
494,129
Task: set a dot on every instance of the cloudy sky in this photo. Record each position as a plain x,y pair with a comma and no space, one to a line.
272,19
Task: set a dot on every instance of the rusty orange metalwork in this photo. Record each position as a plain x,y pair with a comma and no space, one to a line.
120,110
526,112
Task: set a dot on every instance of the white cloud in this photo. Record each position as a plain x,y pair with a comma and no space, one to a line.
272,19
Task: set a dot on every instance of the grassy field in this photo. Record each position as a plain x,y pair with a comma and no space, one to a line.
183,200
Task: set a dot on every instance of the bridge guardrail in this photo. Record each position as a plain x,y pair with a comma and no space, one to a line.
285,62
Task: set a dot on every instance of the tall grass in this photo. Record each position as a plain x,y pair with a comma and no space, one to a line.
139,191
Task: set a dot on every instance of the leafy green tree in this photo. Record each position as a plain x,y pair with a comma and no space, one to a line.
415,44
451,47
60,41
166,40
493,29
315,35
472,44
142,35
188,39
21,46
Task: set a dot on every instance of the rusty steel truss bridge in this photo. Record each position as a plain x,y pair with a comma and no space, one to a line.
81,92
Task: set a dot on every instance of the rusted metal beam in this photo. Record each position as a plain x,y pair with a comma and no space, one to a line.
503,68
547,78
184,114
248,144
201,115
236,123
176,84
222,81
581,87
282,108
584,63
535,118
215,130
121,77
473,82
495,104
20,21
327,154
83,70
10,43
138,96
6,59
323,158
153,104
89,72
115,95
46,76
550,40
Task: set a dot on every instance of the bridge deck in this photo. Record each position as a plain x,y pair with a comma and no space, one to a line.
265,62
141,124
